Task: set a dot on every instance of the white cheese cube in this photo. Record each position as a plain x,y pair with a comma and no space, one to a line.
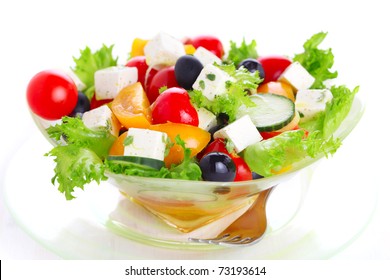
310,102
110,81
206,57
207,119
241,133
212,81
102,118
297,76
163,50
146,143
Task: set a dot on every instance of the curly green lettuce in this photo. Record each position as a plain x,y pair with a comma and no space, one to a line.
80,160
272,155
237,54
88,63
328,121
75,167
74,131
317,62
236,93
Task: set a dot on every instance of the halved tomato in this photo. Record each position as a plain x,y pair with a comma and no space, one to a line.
194,137
277,88
132,108
117,148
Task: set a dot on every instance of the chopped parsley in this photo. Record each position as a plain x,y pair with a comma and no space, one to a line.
128,140
202,84
211,76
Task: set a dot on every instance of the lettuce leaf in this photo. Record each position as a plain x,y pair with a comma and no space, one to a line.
272,155
236,94
80,160
186,170
316,61
75,167
75,132
88,63
133,169
244,51
336,110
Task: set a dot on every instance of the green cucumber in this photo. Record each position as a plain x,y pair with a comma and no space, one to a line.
271,111
150,162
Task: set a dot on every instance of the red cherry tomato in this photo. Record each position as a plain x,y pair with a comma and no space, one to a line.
144,73
218,145
163,78
97,103
211,43
52,94
273,67
173,105
243,172
269,134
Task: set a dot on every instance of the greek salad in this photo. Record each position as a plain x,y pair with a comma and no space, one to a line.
189,109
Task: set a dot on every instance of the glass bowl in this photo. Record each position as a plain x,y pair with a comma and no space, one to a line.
190,205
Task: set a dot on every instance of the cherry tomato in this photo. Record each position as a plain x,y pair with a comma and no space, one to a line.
144,72
269,134
293,125
243,172
273,67
132,107
194,137
97,103
211,43
173,105
163,78
278,88
118,148
52,94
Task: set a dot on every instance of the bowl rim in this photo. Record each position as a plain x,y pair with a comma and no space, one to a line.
354,115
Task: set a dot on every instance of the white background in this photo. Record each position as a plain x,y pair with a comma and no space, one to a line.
37,35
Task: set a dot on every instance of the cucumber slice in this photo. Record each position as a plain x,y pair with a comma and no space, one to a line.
150,162
271,111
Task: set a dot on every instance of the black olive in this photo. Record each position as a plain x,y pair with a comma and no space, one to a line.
187,70
252,65
83,105
256,176
218,167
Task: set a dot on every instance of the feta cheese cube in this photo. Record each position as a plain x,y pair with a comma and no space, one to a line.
146,143
297,76
109,81
212,81
207,120
102,118
310,102
163,50
241,133
206,57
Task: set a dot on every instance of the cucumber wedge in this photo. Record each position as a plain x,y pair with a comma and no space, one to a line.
271,111
150,162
